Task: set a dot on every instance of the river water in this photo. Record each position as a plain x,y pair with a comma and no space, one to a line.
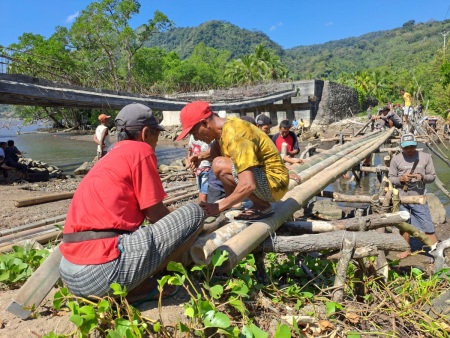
59,150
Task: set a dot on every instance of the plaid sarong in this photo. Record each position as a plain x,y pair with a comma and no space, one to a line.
142,252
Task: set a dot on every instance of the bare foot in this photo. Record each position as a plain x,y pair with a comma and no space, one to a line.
403,254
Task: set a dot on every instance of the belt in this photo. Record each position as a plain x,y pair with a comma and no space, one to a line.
83,236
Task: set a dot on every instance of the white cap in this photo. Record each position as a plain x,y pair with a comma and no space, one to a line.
222,114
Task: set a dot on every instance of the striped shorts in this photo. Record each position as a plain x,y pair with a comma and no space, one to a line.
142,252
262,186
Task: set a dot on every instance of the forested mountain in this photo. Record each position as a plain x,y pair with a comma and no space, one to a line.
220,35
400,48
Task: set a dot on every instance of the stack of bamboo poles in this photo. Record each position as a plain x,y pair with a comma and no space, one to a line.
239,238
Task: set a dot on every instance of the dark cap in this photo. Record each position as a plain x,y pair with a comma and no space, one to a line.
248,119
262,120
385,108
135,116
408,140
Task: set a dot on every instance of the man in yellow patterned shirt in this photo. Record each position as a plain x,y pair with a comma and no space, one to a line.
245,160
407,105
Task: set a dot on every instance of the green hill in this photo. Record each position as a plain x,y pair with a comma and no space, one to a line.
400,48
220,35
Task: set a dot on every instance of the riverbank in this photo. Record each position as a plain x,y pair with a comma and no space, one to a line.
172,309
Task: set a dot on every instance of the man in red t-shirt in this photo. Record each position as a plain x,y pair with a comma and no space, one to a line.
285,135
103,241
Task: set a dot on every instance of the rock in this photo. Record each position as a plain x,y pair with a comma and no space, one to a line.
176,163
163,169
83,169
437,210
323,209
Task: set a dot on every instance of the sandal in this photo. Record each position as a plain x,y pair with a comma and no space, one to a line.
254,214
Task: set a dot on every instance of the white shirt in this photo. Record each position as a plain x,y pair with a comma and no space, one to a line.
106,141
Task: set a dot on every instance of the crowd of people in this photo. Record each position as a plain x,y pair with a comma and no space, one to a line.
398,116
235,161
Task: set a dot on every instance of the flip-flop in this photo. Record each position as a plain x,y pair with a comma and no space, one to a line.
251,215
153,296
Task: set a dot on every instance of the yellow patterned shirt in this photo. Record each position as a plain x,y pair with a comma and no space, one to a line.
248,146
407,98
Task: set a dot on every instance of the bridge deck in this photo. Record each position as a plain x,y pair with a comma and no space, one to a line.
25,90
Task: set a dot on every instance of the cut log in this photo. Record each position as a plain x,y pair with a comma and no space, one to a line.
23,202
359,253
341,268
332,241
369,222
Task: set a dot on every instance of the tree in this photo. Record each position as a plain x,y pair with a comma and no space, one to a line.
103,35
262,65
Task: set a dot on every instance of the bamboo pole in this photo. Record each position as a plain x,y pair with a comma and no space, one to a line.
307,170
41,238
374,169
24,202
182,186
338,197
27,233
36,224
363,128
239,246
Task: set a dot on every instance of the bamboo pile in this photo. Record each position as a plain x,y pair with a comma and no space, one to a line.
239,238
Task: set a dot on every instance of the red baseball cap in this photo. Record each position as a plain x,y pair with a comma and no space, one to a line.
192,114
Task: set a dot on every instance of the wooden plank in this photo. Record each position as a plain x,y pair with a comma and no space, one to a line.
23,202
37,287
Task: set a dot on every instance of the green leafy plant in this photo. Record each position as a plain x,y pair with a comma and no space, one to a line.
17,266
111,316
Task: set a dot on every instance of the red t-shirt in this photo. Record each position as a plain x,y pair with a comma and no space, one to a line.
113,195
289,140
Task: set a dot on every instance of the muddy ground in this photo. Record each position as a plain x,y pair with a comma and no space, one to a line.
11,216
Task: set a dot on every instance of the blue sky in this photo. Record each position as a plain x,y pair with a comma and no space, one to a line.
289,23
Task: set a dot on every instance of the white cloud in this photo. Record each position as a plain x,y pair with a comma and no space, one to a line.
275,27
329,23
71,18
